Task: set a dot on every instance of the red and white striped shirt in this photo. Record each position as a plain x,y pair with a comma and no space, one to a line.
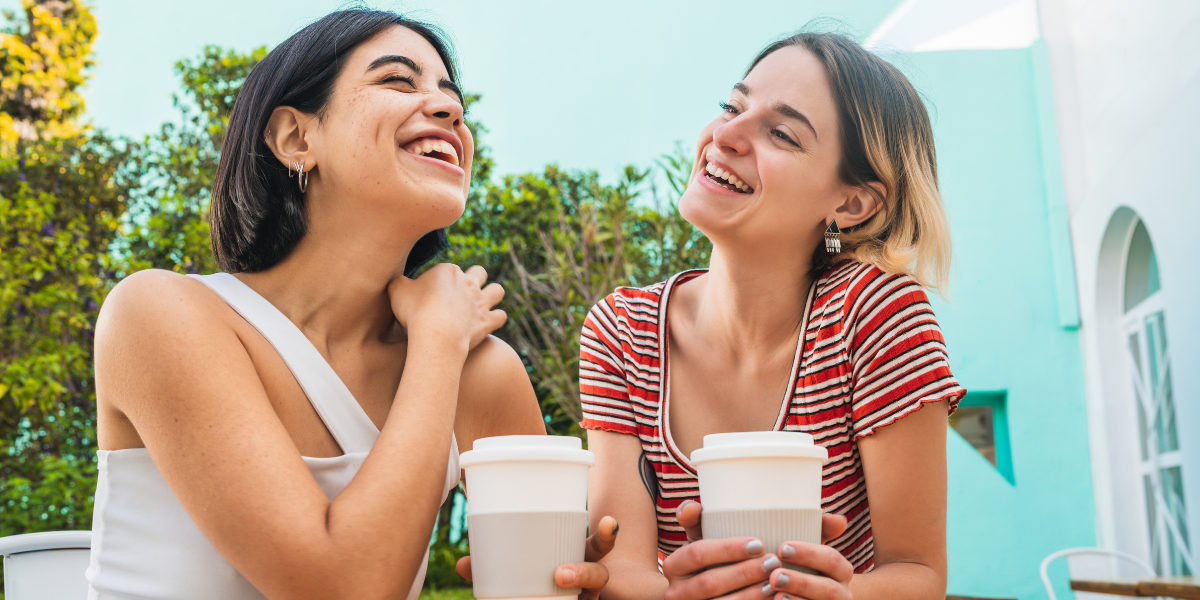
871,353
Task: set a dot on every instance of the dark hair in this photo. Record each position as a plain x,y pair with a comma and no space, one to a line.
886,138
257,215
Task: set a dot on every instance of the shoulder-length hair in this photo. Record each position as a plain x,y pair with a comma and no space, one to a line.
887,138
257,215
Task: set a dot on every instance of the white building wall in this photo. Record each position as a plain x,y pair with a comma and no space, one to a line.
1126,78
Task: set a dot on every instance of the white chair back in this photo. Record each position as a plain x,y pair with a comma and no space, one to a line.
1094,564
46,566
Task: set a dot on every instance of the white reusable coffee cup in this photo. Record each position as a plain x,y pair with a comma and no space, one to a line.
526,513
765,484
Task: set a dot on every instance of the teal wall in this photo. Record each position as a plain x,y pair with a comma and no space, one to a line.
1011,322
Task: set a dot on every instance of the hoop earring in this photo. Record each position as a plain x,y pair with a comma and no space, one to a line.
833,238
302,178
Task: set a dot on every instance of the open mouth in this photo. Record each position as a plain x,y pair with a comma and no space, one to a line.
726,179
434,148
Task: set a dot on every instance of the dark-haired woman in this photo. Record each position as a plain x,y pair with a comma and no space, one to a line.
793,326
290,427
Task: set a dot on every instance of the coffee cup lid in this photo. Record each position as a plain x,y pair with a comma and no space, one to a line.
527,448
759,444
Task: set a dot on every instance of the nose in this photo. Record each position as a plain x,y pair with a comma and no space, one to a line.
731,137
443,107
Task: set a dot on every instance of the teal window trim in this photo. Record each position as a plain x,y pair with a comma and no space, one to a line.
998,401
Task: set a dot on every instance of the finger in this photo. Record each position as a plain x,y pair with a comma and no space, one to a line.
464,567
723,580
586,575
496,319
492,294
822,559
832,526
701,554
477,274
753,592
599,544
793,585
688,514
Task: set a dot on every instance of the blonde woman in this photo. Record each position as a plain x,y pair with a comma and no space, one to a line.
817,185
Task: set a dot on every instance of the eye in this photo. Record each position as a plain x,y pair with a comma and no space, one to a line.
727,107
785,137
398,79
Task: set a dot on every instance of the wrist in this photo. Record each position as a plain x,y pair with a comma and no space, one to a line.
433,342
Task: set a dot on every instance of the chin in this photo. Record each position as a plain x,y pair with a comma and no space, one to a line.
701,212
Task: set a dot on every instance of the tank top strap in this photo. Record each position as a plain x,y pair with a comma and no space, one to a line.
337,407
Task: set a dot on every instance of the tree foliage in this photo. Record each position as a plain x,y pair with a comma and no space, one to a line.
44,56
63,189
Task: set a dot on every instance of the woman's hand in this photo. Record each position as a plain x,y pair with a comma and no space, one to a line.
589,575
447,304
753,575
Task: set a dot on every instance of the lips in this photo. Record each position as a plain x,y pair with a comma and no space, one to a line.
433,147
726,178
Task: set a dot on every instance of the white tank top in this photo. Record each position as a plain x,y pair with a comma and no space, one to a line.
144,544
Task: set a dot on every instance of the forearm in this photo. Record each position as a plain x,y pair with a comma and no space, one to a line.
385,516
633,580
899,581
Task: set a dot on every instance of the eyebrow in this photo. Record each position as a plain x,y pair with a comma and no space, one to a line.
391,59
782,108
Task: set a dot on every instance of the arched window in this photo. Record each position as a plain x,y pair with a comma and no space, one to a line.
1161,469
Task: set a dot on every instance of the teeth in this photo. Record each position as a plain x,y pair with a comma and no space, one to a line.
426,146
727,176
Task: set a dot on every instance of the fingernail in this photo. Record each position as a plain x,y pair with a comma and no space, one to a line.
616,528
787,551
754,548
767,590
568,576
771,564
782,581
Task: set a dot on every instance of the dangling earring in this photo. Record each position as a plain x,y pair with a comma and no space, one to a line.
833,239
291,167
302,177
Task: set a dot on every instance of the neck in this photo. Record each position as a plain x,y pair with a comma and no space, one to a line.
333,285
752,303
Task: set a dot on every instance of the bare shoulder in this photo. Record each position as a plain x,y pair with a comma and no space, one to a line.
153,299
495,395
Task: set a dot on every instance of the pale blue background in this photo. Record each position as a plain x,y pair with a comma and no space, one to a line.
594,85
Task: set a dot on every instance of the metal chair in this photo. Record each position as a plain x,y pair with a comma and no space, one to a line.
1091,563
46,566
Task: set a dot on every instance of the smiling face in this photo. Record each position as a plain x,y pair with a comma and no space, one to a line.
766,169
391,147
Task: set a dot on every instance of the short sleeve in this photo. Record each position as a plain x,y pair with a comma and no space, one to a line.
897,354
603,389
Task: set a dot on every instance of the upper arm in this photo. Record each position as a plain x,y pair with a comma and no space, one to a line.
898,356
495,396
603,386
905,467
616,489
168,361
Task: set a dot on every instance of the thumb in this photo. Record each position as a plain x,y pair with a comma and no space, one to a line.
688,514
464,567
599,544
832,526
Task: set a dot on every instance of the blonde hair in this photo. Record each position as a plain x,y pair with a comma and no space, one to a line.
886,138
